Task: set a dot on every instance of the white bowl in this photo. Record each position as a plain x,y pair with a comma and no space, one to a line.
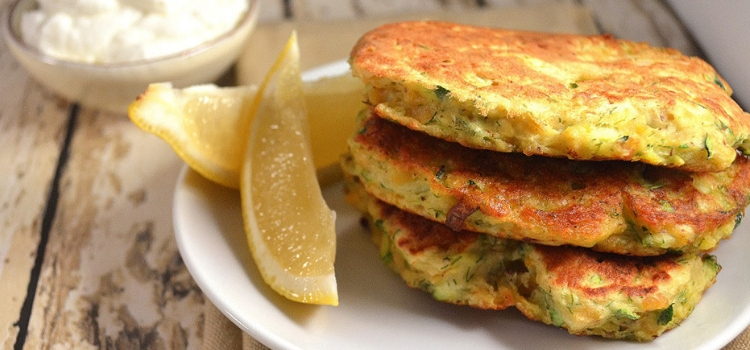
114,86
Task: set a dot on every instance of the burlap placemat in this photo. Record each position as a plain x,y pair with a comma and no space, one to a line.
742,342
324,42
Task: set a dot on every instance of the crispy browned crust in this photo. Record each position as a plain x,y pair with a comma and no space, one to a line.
572,266
584,291
620,207
581,97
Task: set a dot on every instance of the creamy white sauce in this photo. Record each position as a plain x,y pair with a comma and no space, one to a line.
110,31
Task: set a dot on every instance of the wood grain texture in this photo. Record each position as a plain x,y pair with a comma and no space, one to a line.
643,20
32,128
640,20
327,10
271,11
112,277
322,42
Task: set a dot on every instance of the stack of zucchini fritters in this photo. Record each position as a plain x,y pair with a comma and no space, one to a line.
580,179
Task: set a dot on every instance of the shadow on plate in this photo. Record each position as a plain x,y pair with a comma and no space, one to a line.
226,210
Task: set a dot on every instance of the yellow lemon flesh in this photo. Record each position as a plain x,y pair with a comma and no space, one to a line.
332,106
290,228
207,126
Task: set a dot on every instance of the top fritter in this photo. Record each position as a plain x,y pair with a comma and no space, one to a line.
580,97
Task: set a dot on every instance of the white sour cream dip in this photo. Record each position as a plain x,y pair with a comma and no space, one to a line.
115,31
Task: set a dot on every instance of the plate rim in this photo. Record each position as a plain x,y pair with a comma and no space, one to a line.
269,338
273,340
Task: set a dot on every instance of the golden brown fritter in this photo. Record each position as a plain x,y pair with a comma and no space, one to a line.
612,206
583,291
580,97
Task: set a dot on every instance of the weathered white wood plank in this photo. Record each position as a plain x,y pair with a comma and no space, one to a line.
642,20
324,10
270,11
324,41
328,10
517,3
668,27
112,276
32,130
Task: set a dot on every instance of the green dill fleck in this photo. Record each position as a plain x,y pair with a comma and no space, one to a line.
717,81
455,261
708,145
555,317
682,297
649,184
472,183
665,316
432,119
425,285
386,257
710,260
441,92
596,279
684,145
675,252
447,262
573,85
462,124
626,314
380,225
365,175
666,206
554,314
624,138
440,174
652,185
469,275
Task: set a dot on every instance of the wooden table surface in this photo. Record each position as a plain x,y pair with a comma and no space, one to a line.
87,253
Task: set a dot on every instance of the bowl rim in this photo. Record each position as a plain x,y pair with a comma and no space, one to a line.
12,36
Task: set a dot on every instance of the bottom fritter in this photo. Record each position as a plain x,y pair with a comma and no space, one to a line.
583,291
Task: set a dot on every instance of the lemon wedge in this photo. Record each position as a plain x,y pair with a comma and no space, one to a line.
290,229
207,126
332,106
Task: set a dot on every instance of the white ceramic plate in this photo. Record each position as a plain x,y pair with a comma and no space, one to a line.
378,311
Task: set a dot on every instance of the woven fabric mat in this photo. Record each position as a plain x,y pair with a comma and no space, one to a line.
742,342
